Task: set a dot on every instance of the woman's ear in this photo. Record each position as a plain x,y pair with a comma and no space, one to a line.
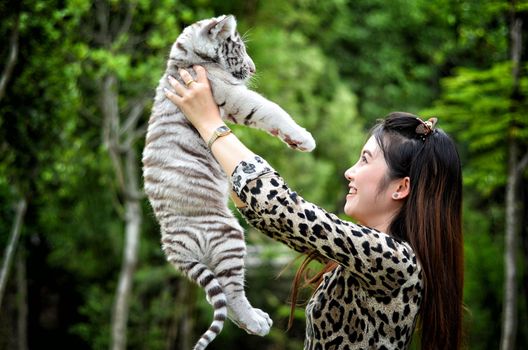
402,188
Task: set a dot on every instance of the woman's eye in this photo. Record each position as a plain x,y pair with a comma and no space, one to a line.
364,159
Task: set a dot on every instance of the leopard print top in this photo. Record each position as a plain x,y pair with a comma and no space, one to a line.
371,300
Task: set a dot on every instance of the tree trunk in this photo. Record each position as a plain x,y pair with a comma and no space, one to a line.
523,235
125,162
133,217
174,325
509,313
121,305
180,334
22,302
11,58
188,318
11,246
509,321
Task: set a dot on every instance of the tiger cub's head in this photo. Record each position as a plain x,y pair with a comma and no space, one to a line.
214,40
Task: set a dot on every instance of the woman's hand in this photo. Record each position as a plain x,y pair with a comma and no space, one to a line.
195,100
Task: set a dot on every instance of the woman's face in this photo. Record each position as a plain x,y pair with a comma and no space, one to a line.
364,201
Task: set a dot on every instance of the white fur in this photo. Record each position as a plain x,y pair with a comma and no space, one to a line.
187,188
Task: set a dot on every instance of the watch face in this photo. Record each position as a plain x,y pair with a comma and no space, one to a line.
223,129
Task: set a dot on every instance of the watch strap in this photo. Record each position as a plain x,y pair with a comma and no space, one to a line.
219,132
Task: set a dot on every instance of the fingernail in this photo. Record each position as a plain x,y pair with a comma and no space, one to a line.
165,90
171,77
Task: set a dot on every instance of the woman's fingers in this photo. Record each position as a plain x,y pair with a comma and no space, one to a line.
176,85
186,77
194,98
178,88
201,74
172,96
188,80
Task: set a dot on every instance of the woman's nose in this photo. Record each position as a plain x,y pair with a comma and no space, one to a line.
349,173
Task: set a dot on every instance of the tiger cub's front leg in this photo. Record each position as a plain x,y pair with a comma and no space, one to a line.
246,107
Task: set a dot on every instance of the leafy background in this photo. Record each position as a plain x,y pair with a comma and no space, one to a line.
335,65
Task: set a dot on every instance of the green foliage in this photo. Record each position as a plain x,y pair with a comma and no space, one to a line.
335,66
484,126
481,108
97,301
482,268
388,53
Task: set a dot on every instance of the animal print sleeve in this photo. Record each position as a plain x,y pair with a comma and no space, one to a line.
380,262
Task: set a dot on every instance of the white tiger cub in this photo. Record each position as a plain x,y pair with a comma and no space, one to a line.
186,186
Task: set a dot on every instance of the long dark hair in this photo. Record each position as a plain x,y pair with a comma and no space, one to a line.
429,220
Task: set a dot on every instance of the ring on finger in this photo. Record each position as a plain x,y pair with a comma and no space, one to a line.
189,83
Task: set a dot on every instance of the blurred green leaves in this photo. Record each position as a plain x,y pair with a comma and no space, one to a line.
477,106
335,66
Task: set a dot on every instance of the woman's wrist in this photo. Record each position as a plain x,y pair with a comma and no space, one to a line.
207,128
207,132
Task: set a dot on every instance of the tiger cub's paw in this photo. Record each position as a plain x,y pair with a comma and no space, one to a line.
258,323
298,139
302,141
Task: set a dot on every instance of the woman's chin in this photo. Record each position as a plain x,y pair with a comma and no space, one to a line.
349,211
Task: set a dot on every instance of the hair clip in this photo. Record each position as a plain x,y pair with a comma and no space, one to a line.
425,128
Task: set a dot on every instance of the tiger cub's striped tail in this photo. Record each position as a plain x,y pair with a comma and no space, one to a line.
201,274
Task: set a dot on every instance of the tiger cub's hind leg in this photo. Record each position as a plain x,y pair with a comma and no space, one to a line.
229,270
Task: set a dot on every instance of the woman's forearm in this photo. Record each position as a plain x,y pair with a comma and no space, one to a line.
229,151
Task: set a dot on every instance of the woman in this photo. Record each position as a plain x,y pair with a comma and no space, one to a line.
403,264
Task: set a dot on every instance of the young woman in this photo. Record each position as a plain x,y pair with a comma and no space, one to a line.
403,264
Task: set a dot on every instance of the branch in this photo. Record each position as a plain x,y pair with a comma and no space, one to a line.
110,111
133,192
89,117
516,51
102,36
11,247
139,133
11,58
127,22
118,206
114,152
133,136
522,164
133,117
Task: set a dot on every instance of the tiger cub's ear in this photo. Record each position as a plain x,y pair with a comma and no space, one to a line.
221,27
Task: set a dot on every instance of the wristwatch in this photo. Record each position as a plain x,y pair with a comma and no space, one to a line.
219,132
